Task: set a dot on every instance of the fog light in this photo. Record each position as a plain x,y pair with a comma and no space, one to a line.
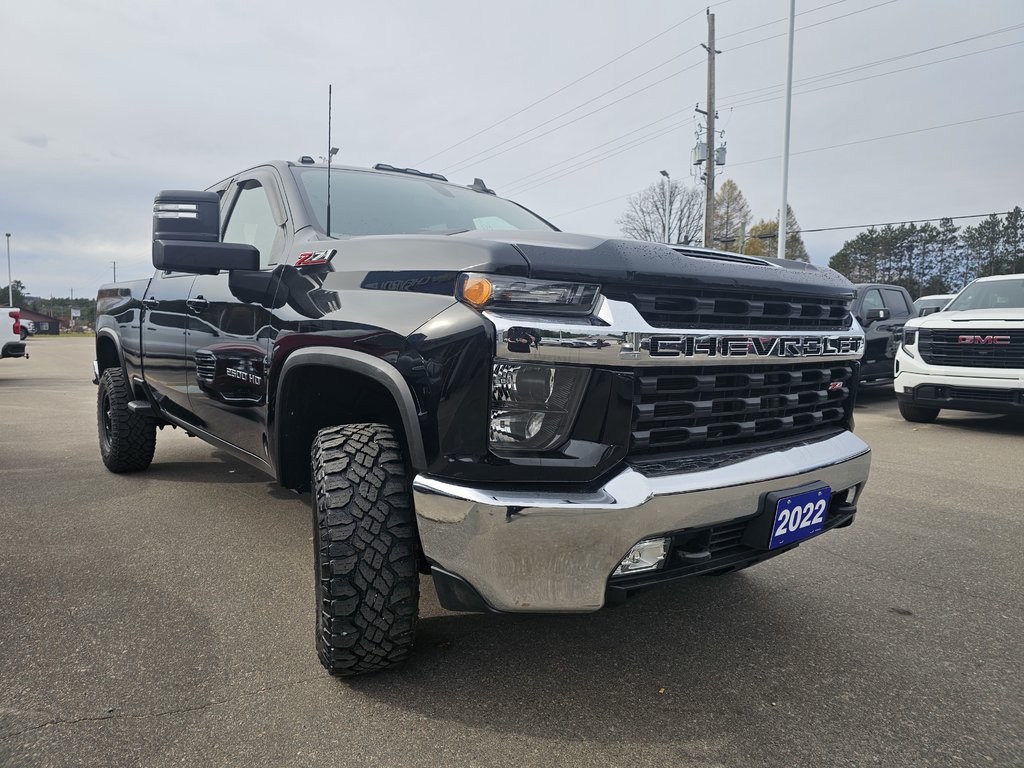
646,555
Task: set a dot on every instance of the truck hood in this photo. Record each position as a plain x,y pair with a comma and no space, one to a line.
565,256
1012,317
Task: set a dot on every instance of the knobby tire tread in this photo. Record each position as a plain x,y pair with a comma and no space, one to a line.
132,439
366,547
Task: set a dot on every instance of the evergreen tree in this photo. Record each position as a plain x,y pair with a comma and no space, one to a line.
732,215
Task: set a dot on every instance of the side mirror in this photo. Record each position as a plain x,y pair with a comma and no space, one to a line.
876,314
928,311
186,231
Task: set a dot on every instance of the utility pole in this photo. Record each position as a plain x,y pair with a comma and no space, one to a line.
784,209
668,206
709,199
114,265
10,284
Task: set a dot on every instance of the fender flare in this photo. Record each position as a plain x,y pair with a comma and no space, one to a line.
109,333
373,368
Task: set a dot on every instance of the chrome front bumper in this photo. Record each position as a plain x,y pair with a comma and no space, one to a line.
550,551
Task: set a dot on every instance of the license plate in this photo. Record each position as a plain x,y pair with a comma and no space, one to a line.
799,516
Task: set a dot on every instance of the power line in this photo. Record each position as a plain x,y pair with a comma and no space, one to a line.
549,177
748,103
887,136
569,85
459,165
867,65
574,120
815,24
910,221
516,181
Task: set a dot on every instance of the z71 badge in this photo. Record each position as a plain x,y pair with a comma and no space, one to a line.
315,258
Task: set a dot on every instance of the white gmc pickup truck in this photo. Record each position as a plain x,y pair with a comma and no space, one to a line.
11,343
969,356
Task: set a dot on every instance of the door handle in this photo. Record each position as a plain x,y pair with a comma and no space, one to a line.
150,303
198,304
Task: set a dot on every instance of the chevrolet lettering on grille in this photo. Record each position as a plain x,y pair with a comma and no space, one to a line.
753,346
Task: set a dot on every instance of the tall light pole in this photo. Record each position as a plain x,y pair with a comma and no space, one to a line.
10,285
668,210
784,208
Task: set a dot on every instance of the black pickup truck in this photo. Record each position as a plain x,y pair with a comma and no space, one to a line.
541,421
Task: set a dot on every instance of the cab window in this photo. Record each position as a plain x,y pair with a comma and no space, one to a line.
872,300
252,221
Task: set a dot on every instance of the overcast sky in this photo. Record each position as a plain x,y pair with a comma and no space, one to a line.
103,103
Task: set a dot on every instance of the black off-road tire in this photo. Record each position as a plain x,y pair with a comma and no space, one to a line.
917,413
365,550
127,439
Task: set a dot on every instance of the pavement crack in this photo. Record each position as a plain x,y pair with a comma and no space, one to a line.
871,568
164,713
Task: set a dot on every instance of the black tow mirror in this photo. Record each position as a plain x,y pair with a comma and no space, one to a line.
186,234
928,311
873,315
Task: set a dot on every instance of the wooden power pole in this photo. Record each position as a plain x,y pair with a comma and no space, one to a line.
709,201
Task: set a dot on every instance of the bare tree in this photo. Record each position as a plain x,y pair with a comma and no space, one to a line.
644,218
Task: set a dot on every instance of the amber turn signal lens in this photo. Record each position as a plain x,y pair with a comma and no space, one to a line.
477,290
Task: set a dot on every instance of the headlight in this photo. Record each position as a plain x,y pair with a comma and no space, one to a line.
909,340
533,407
517,294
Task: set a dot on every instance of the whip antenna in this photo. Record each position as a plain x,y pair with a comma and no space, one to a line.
330,154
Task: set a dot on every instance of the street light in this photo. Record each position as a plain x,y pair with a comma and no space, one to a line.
10,285
667,210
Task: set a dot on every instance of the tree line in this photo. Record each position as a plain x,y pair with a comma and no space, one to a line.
928,259
732,224
54,307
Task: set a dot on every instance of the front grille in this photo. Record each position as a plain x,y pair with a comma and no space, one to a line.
715,406
729,308
948,347
206,366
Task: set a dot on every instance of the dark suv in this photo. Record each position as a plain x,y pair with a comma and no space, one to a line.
882,310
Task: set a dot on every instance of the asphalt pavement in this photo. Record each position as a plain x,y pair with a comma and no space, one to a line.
166,618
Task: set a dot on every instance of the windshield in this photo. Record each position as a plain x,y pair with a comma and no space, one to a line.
929,303
990,294
364,203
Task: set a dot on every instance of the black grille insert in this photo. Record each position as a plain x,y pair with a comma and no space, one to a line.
206,366
728,308
990,348
711,406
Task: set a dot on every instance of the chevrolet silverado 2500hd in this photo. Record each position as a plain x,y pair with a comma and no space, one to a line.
541,421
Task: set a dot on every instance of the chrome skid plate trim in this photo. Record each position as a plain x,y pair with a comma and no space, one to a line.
554,551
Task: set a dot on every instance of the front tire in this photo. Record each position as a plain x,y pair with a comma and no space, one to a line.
917,413
127,439
364,550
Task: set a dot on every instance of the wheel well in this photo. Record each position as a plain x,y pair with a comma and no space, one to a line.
318,396
106,353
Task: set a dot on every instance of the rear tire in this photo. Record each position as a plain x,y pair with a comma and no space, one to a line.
127,439
365,549
918,413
